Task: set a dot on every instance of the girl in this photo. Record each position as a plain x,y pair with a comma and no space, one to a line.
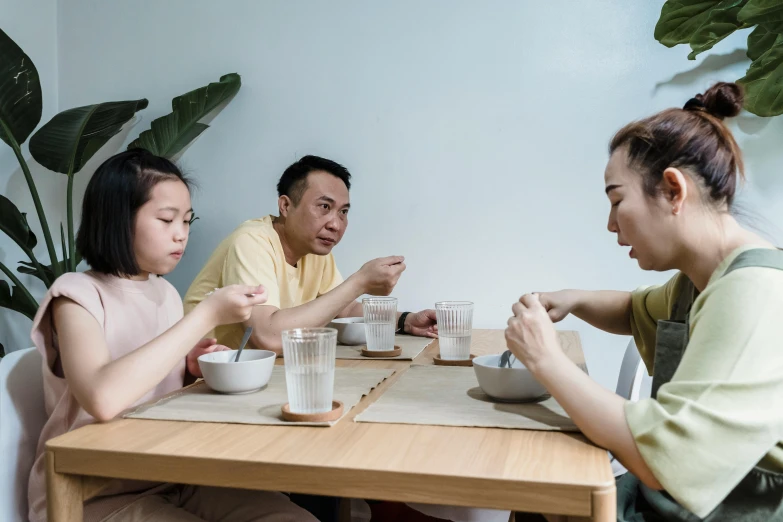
707,444
115,337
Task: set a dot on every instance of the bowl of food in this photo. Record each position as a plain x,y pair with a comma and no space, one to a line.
350,330
507,384
251,373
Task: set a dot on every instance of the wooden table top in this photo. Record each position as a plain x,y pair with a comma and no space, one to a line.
549,472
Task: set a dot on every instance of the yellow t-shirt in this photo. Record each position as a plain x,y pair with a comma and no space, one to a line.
253,255
722,412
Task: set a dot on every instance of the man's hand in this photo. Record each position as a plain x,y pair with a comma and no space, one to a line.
379,276
423,324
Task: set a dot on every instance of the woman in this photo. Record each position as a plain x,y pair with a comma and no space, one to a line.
707,444
114,337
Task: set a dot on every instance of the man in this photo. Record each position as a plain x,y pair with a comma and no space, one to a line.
291,255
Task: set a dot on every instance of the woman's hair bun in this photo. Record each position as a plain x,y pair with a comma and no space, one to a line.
722,100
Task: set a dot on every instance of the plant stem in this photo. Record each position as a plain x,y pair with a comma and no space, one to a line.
69,261
38,207
65,248
70,257
15,280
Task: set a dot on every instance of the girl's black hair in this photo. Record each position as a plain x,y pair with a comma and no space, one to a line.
120,186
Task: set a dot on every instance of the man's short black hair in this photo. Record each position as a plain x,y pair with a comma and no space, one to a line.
293,182
120,186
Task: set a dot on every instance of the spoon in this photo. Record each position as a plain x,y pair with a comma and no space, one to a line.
505,359
245,338
213,291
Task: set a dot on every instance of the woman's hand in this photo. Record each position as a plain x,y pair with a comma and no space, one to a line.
531,335
559,304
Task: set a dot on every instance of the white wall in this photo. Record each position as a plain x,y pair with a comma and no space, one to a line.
476,131
32,24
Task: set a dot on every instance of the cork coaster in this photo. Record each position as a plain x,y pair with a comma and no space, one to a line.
446,362
334,414
386,353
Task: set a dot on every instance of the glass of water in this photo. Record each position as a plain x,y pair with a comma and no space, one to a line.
380,321
309,368
455,326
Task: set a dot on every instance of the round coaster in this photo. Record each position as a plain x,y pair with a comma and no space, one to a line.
334,414
386,353
445,362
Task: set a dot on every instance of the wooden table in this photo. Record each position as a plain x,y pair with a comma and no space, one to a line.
533,471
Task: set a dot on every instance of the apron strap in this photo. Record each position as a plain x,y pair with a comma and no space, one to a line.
682,306
758,257
671,337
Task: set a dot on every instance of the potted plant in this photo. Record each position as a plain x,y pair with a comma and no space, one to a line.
64,145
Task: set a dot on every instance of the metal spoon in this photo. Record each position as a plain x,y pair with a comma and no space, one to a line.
213,291
245,338
505,359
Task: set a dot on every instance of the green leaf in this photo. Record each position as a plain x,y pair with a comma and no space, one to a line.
14,224
62,240
763,82
28,268
20,112
171,133
681,19
13,298
762,38
72,137
21,101
762,12
721,22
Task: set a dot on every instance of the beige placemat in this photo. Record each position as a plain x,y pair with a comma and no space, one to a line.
450,396
200,404
411,347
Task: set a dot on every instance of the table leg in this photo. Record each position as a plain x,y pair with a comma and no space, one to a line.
64,495
605,505
345,510
604,509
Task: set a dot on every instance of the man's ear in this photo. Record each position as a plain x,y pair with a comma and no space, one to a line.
284,205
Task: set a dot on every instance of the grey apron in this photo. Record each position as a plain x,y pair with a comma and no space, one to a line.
759,496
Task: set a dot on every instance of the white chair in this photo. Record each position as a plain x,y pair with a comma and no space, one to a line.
22,416
633,384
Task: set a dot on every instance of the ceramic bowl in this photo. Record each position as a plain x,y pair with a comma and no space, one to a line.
250,373
350,330
515,384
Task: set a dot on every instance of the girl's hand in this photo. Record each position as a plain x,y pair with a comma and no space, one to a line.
202,347
233,303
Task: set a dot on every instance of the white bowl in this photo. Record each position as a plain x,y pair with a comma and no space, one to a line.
350,330
251,373
515,384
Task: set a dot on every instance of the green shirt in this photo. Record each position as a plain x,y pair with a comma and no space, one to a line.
722,412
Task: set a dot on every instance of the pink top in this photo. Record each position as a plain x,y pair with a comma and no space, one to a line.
131,313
